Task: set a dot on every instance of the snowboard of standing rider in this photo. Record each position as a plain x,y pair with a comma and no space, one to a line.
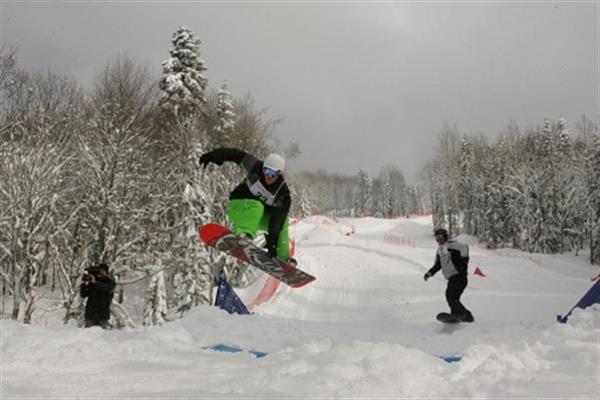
452,258
261,202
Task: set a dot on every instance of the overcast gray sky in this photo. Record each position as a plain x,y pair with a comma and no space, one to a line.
358,84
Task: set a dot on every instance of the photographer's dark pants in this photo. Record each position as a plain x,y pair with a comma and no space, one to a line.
456,287
103,323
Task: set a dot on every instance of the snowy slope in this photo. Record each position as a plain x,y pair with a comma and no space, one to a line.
365,328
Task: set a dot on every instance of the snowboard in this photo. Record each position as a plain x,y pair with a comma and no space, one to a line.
221,238
447,318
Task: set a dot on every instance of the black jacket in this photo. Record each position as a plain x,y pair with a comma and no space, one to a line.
277,202
100,295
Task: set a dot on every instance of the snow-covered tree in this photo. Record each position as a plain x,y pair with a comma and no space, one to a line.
387,209
191,290
183,83
369,204
413,200
252,131
190,204
447,175
39,114
305,205
30,181
155,311
365,193
593,195
466,195
397,197
8,71
224,130
114,158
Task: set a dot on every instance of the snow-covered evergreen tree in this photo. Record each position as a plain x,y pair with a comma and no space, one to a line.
564,144
361,193
466,198
557,177
438,212
183,83
155,311
305,205
593,196
365,193
399,196
387,206
191,292
199,208
493,229
224,130
568,181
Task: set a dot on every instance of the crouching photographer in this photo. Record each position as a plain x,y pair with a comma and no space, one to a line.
99,288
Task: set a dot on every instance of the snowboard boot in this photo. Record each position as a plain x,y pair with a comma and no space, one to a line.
292,262
468,317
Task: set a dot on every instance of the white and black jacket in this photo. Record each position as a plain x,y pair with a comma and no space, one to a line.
452,258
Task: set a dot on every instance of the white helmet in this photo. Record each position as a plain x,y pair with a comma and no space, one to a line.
274,161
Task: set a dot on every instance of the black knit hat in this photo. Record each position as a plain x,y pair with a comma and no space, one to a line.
441,232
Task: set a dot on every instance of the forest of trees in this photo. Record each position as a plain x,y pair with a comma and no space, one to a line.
110,174
384,196
537,190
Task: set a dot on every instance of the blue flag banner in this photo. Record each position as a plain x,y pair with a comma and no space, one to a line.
226,348
592,296
451,359
228,300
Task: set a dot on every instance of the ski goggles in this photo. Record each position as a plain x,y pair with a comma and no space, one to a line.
270,172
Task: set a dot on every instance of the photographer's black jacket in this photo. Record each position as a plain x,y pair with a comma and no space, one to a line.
278,199
100,295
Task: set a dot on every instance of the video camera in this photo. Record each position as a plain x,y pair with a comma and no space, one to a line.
94,270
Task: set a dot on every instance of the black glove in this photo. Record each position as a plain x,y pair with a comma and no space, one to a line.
427,276
207,158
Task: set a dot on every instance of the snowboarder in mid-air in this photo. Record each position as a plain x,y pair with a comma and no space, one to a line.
261,202
452,258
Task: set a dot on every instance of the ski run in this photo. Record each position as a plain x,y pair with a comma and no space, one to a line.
364,329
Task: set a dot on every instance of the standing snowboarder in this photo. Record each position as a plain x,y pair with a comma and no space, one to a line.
261,202
452,258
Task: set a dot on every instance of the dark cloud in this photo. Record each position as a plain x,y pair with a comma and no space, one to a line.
359,84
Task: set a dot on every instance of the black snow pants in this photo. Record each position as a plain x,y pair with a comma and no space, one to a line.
455,288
